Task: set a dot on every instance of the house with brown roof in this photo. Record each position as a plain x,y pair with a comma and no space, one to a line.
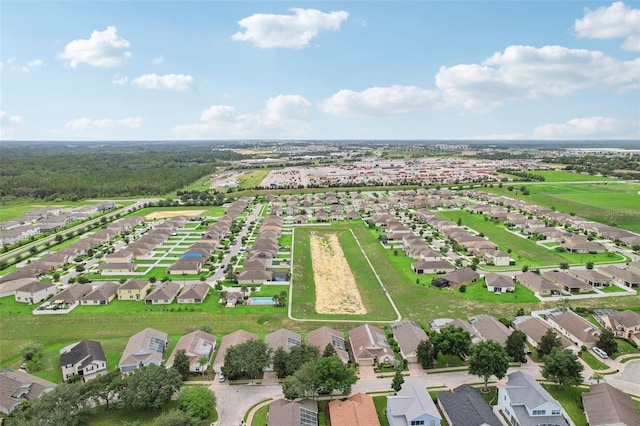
323,336
369,345
18,386
577,329
194,293
283,412
534,328
591,277
408,334
235,338
102,294
357,410
536,283
497,258
197,344
33,291
489,328
605,405
625,277
455,279
283,338
499,283
164,294
623,324
133,289
254,277
144,348
85,359
567,283
72,294
432,267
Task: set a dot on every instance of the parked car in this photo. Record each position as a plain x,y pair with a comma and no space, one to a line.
221,378
602,354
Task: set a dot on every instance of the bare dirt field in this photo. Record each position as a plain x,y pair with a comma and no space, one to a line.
336,288
173,213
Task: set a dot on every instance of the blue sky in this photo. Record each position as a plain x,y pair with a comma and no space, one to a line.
150,70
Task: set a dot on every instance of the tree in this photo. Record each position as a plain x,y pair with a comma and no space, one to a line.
280,363
562,367
515,345
299,355
246,359
149,387
302,383
244,290
153,280
452,341
329,350
181,364
65,405
105,387
589,265
548,341
597,377
332,374
398,381
607,342
564,265
426,354
197,401
202,363
524,268
174,418
488,358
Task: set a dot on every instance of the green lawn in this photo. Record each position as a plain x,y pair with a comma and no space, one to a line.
285,240
611,203
102,417
476,291
611,289
380,403
260,416
625,348
592,361
253,178
567,176
304,293
17,208
570,399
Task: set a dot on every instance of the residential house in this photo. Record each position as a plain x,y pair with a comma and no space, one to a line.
194,293
625,277
534,328
235,338
133,290
623,324
536,283
198,345
412,405
144,348
283,412
116,268
497,258
523,401
254,277
499,283
489,328
101,294
591,277
408,334
432,267
465,406
85,359
567,283
164,294
369,345
72,294
605,405
323,336
18,386
33,291
577,329
357,410
456,279
283,338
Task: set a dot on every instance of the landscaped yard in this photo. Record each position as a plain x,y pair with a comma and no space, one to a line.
380,403
592,361
260,416
103,417
569,398
253,178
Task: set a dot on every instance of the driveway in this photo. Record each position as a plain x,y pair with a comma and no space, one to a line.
627,380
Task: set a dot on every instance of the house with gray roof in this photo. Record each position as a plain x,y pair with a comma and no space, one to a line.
197,344
283,338
408,334
499,283
144,348
465,406
72,294
412,405
34,291
85,359
164,294
194,293
605,405
18,386
283,412
323,336
524,402
489,328
101,295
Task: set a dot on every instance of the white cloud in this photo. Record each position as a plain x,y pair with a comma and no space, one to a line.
289,31
81,124
283,116
14,66
177,82
104,49
120,79
615,21
589,128
379,101
158,60
6,119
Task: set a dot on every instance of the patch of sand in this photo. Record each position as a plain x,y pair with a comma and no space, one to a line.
336,289
173,213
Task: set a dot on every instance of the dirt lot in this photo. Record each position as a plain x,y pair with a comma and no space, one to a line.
173,213
336,289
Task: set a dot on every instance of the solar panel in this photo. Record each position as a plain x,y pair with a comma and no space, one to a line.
157,345
381,340
291,342
338,343
308,417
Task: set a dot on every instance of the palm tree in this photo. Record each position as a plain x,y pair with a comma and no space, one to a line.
202,361
223,297
244,289
597,377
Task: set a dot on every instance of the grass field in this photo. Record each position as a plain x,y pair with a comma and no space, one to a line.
260,416
611,203
304,293
17,208
208,210
380,403
524,251
567,176
253,178
103,417
568,398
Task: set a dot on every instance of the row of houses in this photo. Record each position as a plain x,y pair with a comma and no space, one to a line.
255,270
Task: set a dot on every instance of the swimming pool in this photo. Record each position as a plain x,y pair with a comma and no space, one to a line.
261,301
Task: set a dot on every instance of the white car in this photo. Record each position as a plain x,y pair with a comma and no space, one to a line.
602,354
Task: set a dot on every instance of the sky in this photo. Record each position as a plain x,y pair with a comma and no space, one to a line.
163,70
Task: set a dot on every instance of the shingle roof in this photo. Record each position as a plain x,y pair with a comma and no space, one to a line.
102,292
282,338
606,405
357,410
194,291
408,334
17,386
86,350
465,406
287,413
134,285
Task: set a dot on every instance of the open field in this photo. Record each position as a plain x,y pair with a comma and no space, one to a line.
607,203
181,211
304,285
567,176
336,288
253,178
524,251
17,208
163,214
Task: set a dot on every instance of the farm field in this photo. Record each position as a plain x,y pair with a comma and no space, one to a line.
253,178
524,251
611,203
206,210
